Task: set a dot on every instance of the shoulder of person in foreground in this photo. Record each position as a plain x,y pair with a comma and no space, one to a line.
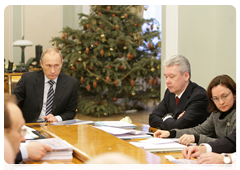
115,161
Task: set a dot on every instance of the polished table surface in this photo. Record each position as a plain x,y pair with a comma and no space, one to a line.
89,142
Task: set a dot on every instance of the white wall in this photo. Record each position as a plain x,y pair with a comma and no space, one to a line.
41,23
206,36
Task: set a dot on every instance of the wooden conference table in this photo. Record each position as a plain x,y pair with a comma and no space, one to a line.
89,142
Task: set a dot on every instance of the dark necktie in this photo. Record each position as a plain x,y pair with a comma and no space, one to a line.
177,99
50,97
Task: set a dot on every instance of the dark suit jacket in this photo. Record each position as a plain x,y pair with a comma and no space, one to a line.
193,101
225,144
18,158
29,92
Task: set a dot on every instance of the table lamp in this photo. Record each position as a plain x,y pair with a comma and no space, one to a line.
22,43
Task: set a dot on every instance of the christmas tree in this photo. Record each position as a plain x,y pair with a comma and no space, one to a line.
112,57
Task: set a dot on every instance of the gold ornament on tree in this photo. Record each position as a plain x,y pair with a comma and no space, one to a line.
53,43
152,69
133,93
103,37
125,47
79,59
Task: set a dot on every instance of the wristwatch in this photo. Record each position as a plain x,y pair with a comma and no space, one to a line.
226,159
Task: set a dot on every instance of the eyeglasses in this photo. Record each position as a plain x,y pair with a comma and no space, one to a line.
23,132
223,97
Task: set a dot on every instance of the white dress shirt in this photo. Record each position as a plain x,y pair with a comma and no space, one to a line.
46,88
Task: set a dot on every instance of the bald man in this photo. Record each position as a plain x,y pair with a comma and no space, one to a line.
8,155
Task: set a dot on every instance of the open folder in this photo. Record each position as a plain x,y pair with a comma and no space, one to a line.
160,145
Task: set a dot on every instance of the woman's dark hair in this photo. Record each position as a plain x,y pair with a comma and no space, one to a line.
223,80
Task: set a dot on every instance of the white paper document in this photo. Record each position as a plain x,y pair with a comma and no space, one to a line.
159,145
118,124
73,122
124,133
61,148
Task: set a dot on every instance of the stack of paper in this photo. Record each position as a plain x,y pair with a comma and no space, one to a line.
73,122
117,124
61,148
124,133
159,145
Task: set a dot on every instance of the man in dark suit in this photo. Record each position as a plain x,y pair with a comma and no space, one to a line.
185,103
47,95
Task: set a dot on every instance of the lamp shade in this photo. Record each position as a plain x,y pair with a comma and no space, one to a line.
22,43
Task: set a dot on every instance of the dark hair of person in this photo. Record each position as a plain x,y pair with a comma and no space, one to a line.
223,80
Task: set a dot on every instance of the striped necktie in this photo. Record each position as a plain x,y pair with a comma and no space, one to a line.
50,97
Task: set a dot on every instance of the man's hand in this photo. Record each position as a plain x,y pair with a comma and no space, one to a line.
193,151
50,118
161,134
37,150
186,139
47,166
210,158
181,115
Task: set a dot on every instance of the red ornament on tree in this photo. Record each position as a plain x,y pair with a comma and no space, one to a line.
132,82
72,68
96,43
102,52
73,37
152,27
59,48
88,87
108,7
125,15
149,45
122,67
120,56
116,27
94,84
90,68
149,81
108,79
110,67
116,82
99,13
82,80
87,26
76,62
113,15
87,50
114,99
155,81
